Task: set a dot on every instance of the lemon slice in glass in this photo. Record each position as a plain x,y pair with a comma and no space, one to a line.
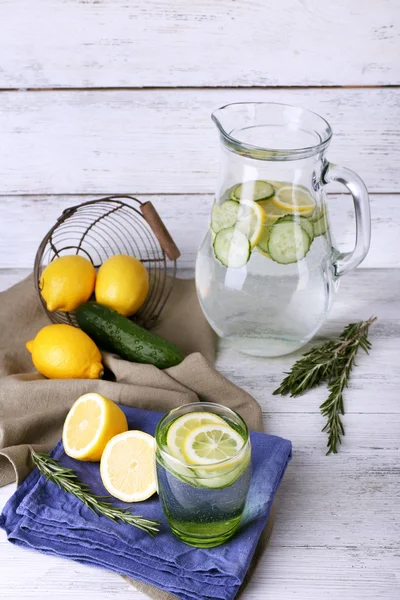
211,443
182,426
294,199
251,220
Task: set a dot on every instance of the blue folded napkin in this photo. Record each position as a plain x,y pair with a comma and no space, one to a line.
41,516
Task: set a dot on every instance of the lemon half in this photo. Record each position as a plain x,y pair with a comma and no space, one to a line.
127,466
90,424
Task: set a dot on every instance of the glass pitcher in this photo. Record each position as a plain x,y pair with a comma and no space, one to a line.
268,269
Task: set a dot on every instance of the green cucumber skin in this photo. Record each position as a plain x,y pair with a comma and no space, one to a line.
321,226
115,333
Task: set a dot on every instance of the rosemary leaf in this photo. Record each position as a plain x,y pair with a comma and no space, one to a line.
331,363
67,480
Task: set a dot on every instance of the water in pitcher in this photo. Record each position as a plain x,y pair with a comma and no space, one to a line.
268,267
275,301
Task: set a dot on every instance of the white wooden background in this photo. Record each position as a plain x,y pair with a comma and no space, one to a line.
110,96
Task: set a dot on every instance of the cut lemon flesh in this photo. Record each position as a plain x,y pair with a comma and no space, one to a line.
272,210
91,422
210,444
294,199
183,425
211,477
127,466
251,220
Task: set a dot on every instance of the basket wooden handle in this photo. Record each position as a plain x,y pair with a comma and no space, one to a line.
160,231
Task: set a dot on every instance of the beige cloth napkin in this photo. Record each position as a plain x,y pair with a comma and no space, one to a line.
33,409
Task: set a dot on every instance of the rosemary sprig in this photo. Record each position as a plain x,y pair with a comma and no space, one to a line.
331,362
67,480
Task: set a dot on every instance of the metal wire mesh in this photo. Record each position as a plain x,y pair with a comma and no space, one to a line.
99,229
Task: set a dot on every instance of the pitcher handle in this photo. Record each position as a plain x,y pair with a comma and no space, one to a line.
346,261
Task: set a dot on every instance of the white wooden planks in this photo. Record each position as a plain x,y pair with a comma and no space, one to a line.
164,141
114,43
303,573
24,220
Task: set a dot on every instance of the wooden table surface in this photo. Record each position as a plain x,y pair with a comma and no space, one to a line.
107,96
337,529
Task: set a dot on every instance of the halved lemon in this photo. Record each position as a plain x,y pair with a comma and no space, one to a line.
91,422
183,425
127,466
210,444
295,199
251,219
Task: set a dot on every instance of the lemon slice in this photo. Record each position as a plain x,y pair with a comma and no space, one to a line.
212,443
92,421
273,211
294,199
212,476
183,425
251,219
127,466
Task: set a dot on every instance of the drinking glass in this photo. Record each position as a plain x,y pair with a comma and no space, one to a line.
203,503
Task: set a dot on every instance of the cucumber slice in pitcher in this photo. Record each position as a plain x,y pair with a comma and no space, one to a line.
253,190
224,215
264,239
303,221
232,247
318,214
308,227
321,226
288,241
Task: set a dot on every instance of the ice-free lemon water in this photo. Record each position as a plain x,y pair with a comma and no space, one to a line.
203,456
268,267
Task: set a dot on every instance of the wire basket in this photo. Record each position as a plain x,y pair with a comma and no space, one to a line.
99,229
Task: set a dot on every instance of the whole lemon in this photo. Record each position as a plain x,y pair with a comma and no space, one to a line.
67,282
65,352
122,284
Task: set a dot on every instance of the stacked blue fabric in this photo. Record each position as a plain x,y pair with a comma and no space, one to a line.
43,517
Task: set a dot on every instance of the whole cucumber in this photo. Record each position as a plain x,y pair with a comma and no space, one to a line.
115,333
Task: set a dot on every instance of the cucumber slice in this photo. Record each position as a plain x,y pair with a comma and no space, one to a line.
288,242
219,480
321,226
253,190
318,214
232,248
308,227
264,239
303,221
224,215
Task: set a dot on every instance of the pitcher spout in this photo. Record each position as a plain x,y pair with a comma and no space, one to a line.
271,131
